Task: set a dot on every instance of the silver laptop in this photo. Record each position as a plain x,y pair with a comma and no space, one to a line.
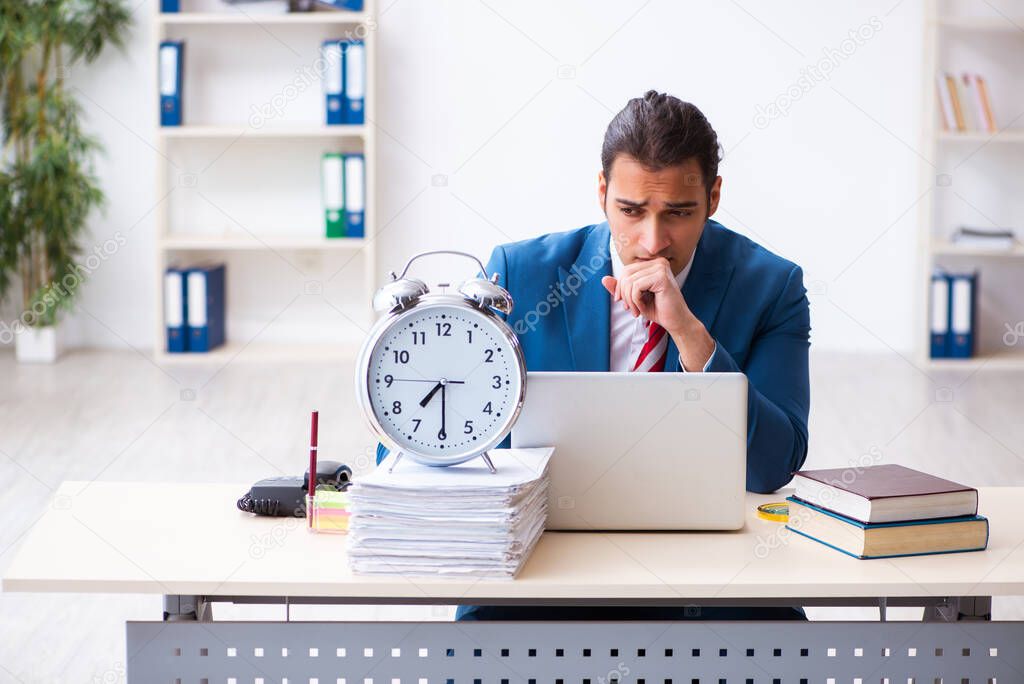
640,451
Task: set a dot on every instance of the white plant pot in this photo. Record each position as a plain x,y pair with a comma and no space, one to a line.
38,345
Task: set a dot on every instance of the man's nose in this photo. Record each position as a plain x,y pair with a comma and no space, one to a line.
654,236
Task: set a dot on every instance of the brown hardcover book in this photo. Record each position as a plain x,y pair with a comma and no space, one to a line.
885,493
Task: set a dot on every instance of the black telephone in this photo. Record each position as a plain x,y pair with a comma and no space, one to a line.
286,495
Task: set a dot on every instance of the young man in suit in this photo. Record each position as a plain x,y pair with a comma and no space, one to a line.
661,287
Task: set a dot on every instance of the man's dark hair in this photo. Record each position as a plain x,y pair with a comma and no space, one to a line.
659,131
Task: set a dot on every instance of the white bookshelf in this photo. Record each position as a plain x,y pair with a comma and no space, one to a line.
269,131
1005,360
980,24
243,241
302,135
1003,137
234,17
978,37
945,248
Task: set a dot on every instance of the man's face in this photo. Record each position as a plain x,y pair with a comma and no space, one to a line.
656,213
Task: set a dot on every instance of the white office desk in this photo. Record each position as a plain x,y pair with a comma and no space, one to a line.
189,543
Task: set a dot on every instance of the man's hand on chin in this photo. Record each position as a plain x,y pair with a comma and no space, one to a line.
648,288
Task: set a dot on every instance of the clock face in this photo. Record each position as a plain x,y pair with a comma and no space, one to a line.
444,382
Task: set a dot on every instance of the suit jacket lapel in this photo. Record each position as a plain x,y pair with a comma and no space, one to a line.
704,287
586,304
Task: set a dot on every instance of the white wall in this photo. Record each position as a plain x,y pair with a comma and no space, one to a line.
490,121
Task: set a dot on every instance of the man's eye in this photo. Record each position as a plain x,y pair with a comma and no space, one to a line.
681,212
629,211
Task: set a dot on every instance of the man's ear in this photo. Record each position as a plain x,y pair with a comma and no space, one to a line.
715,195
602,191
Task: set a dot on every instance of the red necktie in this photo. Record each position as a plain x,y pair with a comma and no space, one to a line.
655,349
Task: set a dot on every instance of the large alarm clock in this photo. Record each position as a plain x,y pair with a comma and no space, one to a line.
441,377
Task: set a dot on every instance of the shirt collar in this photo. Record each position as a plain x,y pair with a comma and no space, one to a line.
618,266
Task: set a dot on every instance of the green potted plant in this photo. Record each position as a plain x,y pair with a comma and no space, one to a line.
47,187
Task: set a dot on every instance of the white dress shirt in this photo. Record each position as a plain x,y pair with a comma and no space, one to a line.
628,334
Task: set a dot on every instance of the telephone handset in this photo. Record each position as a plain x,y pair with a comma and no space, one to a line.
286,495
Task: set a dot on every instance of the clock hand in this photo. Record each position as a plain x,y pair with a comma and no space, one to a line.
455,382
442,434
430,395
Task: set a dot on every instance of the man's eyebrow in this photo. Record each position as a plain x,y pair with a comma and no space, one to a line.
688,204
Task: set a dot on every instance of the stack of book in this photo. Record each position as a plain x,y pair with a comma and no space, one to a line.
886,510
456,521
964,103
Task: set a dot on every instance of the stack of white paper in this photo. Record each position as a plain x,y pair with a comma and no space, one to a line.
985,238
461,520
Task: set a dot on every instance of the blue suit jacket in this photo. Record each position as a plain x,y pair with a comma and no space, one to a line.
752,302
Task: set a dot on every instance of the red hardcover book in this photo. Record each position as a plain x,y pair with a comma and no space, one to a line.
885,493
